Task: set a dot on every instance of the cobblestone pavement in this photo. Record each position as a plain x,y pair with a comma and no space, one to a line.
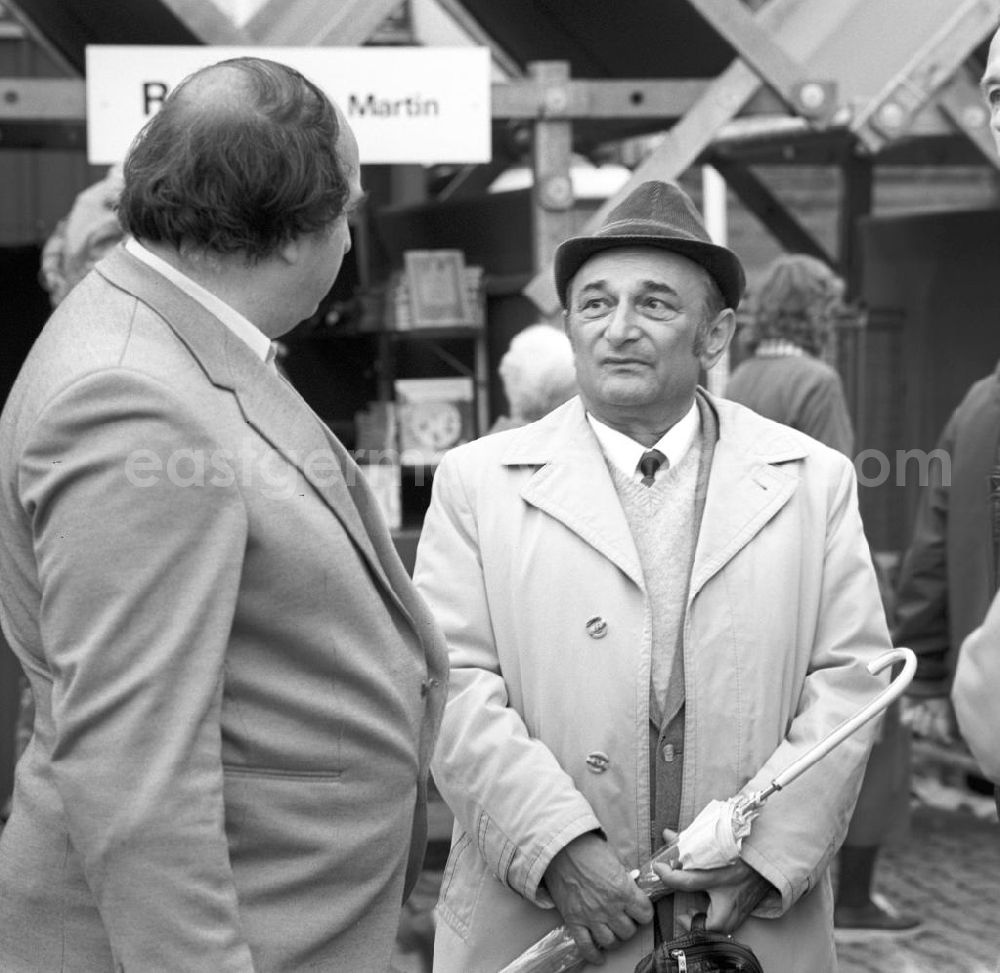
947,871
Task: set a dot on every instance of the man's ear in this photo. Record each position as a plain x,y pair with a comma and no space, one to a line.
718,334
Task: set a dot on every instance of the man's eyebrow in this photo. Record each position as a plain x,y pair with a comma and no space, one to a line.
658,285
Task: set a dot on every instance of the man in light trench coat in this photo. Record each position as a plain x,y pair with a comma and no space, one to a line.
634,635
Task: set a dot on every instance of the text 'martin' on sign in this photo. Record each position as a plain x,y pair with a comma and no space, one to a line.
421,105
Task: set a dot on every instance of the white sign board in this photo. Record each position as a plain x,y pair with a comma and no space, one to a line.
405,104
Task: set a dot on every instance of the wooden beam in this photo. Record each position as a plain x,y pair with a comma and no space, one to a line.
598,99
342,23
721,102
680,147
458,12
42,100
207,22
757,197
552,150
962,102
734,22
857,173
888,116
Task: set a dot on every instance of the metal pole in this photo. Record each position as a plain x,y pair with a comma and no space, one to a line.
716,215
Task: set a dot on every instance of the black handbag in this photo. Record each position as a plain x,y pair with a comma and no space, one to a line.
700,952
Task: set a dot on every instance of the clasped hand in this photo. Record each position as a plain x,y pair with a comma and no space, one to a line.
598,900
602,907
734,890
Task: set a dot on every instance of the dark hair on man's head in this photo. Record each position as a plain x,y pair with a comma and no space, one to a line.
241,158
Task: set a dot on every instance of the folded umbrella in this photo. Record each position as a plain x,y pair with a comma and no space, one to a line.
715,836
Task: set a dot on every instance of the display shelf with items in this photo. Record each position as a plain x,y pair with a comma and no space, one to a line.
432,415
410,356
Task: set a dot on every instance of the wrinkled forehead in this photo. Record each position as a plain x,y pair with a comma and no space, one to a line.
630,267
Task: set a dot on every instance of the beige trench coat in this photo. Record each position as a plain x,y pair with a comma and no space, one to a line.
525,557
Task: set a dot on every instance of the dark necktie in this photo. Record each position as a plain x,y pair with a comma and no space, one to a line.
649,463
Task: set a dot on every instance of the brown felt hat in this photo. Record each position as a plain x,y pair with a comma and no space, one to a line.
655,214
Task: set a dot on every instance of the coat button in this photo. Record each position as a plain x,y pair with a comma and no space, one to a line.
597,627
597,762
668,752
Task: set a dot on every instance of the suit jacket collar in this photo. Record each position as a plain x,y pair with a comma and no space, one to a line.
750,481
269,404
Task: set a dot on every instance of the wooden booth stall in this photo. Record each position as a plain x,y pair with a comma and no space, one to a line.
833,123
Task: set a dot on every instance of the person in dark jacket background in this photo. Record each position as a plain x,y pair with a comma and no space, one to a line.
949,573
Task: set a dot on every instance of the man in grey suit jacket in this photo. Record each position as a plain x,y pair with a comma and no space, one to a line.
237,687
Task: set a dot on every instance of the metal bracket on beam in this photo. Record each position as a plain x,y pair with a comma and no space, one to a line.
816,101
812,99
52,135
611,99
889,115
555,101
893,117
555,193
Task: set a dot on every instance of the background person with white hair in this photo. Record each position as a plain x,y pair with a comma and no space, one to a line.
538,374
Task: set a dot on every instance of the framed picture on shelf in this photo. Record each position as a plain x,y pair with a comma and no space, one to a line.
438,291
433,415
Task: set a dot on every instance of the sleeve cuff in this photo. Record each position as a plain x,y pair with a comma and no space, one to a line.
534,891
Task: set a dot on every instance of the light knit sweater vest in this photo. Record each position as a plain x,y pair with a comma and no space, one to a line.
664,520
661,518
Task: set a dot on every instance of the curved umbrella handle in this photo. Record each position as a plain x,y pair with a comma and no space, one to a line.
883,701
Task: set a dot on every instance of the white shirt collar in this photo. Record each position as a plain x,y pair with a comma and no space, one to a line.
244,329
625,452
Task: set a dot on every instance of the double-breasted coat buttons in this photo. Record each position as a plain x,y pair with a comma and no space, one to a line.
597,627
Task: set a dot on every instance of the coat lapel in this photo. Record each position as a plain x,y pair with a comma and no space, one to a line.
747,486
269,404
573,485
279,414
